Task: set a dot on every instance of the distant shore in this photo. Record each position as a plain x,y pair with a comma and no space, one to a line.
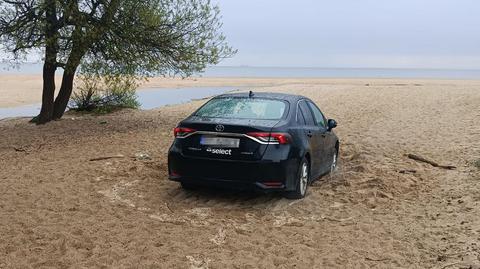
293,72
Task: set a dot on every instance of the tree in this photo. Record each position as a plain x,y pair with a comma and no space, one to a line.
133,37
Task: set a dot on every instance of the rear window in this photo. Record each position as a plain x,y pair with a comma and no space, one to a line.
243,108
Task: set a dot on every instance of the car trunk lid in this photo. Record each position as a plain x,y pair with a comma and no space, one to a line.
221,138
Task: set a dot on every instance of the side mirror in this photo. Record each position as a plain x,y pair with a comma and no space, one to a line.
331,124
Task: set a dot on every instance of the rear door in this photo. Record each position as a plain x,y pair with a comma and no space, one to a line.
315,136
320,121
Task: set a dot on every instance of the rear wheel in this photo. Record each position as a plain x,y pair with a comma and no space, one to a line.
303,178
188,186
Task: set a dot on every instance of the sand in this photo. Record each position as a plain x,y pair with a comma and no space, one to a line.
18,90
379,210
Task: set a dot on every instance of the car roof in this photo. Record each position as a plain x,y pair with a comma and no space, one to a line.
272,95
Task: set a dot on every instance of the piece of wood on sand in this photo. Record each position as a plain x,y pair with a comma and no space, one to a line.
432,163
118,156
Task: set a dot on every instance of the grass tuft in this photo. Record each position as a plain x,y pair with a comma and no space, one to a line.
477,163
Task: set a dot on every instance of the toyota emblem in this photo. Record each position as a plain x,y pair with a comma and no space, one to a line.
219,128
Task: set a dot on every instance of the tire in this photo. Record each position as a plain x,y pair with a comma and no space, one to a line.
303,179
188,186
334,164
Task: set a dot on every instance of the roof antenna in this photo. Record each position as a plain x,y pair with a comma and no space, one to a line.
250,94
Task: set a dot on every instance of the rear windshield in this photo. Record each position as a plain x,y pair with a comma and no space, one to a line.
243,108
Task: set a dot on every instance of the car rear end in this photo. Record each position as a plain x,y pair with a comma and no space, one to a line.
234,150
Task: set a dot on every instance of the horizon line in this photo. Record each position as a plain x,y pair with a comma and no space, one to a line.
320,67
310,67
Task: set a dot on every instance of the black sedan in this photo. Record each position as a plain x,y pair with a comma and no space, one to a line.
263,141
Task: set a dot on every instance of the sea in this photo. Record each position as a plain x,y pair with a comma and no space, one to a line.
294,72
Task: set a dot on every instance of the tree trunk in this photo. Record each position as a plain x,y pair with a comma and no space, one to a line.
61,102
80,47
64,94
50,64
48,94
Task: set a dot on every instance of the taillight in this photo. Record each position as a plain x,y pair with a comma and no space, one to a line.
182,131
273,184
271,138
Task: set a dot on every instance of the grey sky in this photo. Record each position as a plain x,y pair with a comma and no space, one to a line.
354,33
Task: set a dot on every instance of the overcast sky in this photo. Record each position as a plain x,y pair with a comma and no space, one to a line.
354,33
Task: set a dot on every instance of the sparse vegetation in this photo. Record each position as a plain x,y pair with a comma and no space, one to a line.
142,38
477,163
104,94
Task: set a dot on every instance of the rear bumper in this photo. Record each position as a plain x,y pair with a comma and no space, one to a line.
264,175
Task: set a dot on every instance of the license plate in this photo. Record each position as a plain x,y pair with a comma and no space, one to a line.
224,142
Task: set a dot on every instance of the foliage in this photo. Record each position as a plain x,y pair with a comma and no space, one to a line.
87,96
139,38
104,94
146,37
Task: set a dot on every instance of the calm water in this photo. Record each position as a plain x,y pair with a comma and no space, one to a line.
149,99
238,71
153,98
20,111
339,73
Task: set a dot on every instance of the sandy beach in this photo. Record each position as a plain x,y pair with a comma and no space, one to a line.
18,90
379,210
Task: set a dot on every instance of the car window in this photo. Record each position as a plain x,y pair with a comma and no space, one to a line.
300,117
319,118
306,113
243,108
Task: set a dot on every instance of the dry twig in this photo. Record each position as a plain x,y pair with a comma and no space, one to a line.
107,157
432,163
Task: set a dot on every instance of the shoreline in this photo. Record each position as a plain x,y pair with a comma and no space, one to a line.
22,90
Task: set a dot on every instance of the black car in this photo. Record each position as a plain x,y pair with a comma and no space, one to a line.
263,141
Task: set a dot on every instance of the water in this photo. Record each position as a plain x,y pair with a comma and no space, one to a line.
20,111
298,72
149,99
153,98
22,69
301,72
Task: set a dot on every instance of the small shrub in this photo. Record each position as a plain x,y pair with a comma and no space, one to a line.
477,163
104,94
87,96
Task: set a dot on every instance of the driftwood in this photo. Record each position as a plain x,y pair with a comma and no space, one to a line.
107,157
334,219
19,149
168,207
407,171
138,157
432,163
451,264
